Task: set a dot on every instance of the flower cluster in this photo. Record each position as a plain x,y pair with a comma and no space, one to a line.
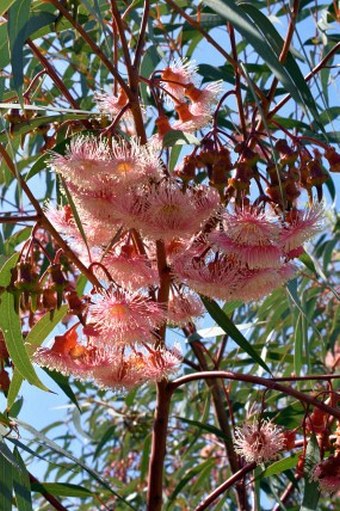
107,365
154,238
193,105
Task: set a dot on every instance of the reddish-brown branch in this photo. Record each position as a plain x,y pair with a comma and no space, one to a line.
237,81
141,36
310,75
286,45
54,76
223,420
96,49
269,383
50,498
158,448
238,476
12,219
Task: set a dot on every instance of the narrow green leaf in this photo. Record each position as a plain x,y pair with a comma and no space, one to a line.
228,326
312,492
22,487
273,38
76,215
14,389
280,466
6,483
40,331
104,439
30,125
5,5
205,427
234,13
44,440
177,137
190,474
18,16
7,454
61,489
63,382
11,328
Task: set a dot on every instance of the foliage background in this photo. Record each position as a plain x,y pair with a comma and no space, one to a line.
97,458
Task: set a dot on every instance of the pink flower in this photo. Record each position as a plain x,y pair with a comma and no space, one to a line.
203,99
178,75
132,271
133,163
135,367
190,120
254,256
259,442
327,474
207,272
183,307
123,317
67,356
85,162
300,226
169,212
255,284
251,226
225,277
124,372
109,103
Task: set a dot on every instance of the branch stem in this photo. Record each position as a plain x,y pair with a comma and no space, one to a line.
269,383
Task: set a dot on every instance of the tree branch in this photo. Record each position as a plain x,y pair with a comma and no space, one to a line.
269,383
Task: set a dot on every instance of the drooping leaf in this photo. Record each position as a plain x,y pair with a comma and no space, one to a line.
39,437
11,328
6,482
18,16
61,489
237,16
312,492
228,326
21,483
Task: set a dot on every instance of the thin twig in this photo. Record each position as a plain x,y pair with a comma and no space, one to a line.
225,486
50,498
269,383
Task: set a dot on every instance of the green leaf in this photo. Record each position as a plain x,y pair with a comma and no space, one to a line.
190,474
7,454
43,328
312,492
263,45
177,137
30,125
109,433
22,487
63,382
18,16
61,489
275,41
6,482
39,437
205,427
14,389
5,5
280,466
11,328
228,326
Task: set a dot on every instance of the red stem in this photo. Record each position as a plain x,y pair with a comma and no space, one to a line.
225,486
158,448
265,382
